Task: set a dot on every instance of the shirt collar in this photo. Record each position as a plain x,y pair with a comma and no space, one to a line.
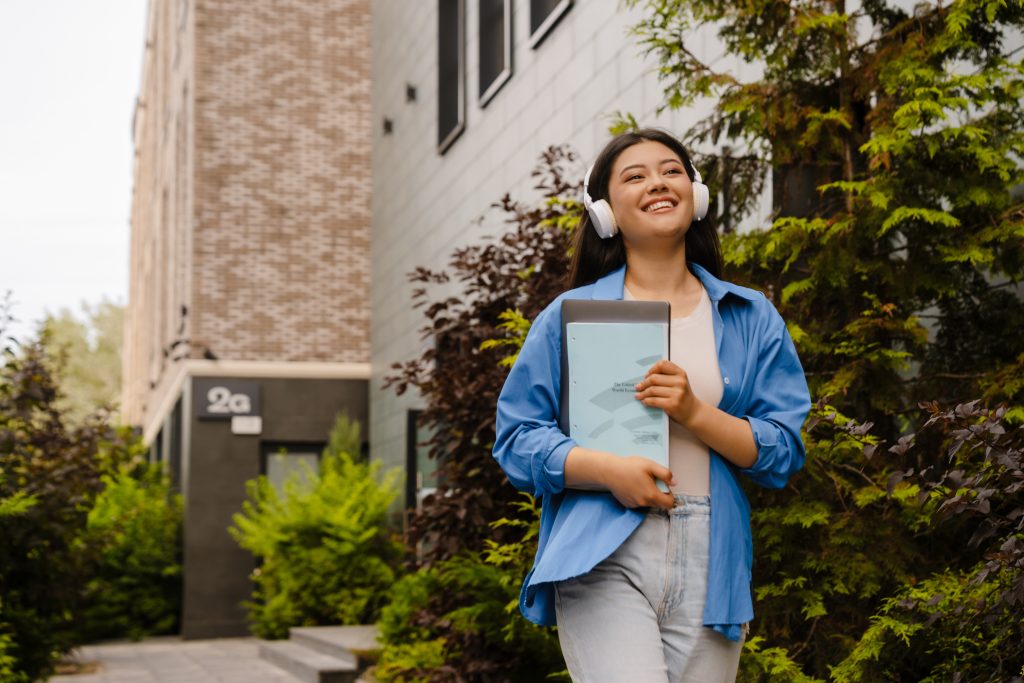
611,285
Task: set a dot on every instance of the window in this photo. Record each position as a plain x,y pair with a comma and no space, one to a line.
495,47
451,69
173,447
420,468
282,461
156,454
544,14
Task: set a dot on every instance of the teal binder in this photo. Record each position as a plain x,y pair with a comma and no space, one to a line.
605,362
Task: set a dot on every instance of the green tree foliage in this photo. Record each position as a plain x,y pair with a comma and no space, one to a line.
911,127
962,622
442,617
134,529
9,670
894,140
472,528
517,273
326,554
86,358
50,474
959,622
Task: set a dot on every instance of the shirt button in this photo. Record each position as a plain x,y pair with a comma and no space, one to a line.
726,380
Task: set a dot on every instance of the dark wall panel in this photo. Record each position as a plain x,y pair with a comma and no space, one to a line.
216,569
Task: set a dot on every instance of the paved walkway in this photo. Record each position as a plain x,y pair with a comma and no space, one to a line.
172,660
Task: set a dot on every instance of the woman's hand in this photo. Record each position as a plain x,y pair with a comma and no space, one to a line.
631,480
666,386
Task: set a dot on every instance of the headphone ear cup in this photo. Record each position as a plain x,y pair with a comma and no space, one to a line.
603,219
701,200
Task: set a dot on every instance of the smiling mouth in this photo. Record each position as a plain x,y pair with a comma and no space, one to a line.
659,206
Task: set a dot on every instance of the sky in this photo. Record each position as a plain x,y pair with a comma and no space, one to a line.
69,74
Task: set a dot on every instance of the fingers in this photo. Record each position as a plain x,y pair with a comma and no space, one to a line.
666,500
676,379
655,498
666,404
656,391
661,498
638,486
664,474
665,367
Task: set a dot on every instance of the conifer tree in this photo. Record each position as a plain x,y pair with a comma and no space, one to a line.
894,140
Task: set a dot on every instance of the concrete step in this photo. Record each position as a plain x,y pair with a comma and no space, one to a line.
360,641
308,665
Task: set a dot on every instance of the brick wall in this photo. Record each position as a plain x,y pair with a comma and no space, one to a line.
160,257
252,187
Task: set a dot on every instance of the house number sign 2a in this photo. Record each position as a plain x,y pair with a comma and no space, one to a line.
222,399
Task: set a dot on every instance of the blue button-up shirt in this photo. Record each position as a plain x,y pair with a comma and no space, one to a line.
763,383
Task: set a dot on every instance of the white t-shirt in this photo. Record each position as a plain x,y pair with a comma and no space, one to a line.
692,347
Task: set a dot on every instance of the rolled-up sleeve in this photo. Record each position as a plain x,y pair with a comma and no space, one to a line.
779,405
528,444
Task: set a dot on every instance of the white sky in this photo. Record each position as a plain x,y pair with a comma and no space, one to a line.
69,73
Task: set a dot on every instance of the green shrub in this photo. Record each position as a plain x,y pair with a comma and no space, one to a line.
963,622
423,643
894,277
411,651
891,137
460,615
49,476
472,528
327,556
8,664
134,528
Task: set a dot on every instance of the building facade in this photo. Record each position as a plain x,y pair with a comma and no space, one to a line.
247,327
466,96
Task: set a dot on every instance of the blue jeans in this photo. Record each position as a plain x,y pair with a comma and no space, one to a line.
637,617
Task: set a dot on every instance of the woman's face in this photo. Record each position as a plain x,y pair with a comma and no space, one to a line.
650,193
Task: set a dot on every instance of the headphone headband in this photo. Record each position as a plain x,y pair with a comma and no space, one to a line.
587,201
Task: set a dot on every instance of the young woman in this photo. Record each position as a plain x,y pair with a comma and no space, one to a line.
646,585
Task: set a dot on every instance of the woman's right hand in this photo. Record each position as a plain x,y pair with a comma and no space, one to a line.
630,479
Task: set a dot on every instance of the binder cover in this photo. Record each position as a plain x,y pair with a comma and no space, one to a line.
605,361
603,311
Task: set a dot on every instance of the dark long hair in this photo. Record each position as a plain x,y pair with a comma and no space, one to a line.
594,257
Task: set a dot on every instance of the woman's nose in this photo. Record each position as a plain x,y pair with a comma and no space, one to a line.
656,184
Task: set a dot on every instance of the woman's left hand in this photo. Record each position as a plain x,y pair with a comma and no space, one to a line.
666,386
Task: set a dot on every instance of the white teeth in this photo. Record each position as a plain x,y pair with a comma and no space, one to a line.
659,205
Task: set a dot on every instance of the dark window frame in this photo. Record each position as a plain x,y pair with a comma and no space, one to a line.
174,447
156,448
413,440
411,459
445,138
489,90
540,31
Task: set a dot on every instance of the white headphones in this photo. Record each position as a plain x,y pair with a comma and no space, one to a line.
604,220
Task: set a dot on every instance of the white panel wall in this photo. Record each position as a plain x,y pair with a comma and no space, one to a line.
424,204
